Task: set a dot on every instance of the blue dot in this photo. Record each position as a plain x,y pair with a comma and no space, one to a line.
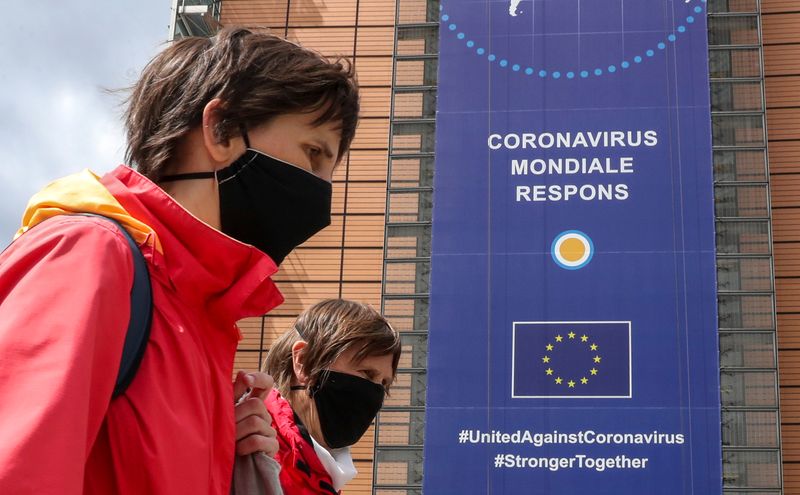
460,36
451,27
661,46
584,73
480,51
556,75
491,57
570,75
470,43
542,73
637,59
515,67
690,19
445,17
625,64
597,72
681,29
704,1
698,9
503,63
529,71
649,53
671,37
612,68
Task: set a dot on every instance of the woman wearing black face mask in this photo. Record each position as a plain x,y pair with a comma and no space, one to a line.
332,371
232,143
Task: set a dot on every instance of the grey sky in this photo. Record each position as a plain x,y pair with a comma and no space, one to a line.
56,58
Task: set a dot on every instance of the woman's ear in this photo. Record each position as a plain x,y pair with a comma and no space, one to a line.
220,150
298,359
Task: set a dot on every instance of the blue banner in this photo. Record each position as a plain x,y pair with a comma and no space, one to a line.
573,341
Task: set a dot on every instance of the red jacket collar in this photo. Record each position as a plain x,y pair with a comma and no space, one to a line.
301,470
231,280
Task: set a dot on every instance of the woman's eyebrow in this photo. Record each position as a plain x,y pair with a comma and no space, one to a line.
324,147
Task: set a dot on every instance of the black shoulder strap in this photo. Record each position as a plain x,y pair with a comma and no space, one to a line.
138,331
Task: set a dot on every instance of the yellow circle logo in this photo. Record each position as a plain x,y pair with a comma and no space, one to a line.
572,249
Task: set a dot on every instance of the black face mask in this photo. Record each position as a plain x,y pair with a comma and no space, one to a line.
268,203
346,406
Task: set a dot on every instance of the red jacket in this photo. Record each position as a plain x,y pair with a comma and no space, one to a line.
64,310
302,473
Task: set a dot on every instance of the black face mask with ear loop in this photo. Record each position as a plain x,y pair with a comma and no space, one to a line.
268,203
346,404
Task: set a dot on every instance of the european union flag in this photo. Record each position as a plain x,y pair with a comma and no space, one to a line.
586,359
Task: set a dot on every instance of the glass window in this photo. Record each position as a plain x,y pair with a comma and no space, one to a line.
736,96
739,30
416,72
407,391
738,130
417,11
408,241
413,137
747,350
722,6
740,165
741,201
748,388
399,467
182,3
742,492
752,312
417,104
407,314
744,274
750,429
734,62
750,237
417,40
751,469
412,171
410,206
407,277
401,428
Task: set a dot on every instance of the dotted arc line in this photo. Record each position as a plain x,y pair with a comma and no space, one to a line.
571,74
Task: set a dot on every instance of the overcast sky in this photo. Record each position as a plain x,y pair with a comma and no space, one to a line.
56,58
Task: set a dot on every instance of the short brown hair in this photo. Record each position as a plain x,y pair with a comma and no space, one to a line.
331,327
258,76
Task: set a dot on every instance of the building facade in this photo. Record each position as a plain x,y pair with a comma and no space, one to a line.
377,249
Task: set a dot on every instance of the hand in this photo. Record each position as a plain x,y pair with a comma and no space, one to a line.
254,432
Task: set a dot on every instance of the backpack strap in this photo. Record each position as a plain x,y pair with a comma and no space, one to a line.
138,332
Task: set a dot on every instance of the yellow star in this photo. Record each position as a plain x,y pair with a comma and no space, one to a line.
597,359
593,347
571,335
584,380
559,380
559,338
549,347
584,338
571,384
549,371
594,371
546,359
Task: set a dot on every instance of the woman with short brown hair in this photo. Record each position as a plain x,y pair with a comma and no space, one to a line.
232,141
332,370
